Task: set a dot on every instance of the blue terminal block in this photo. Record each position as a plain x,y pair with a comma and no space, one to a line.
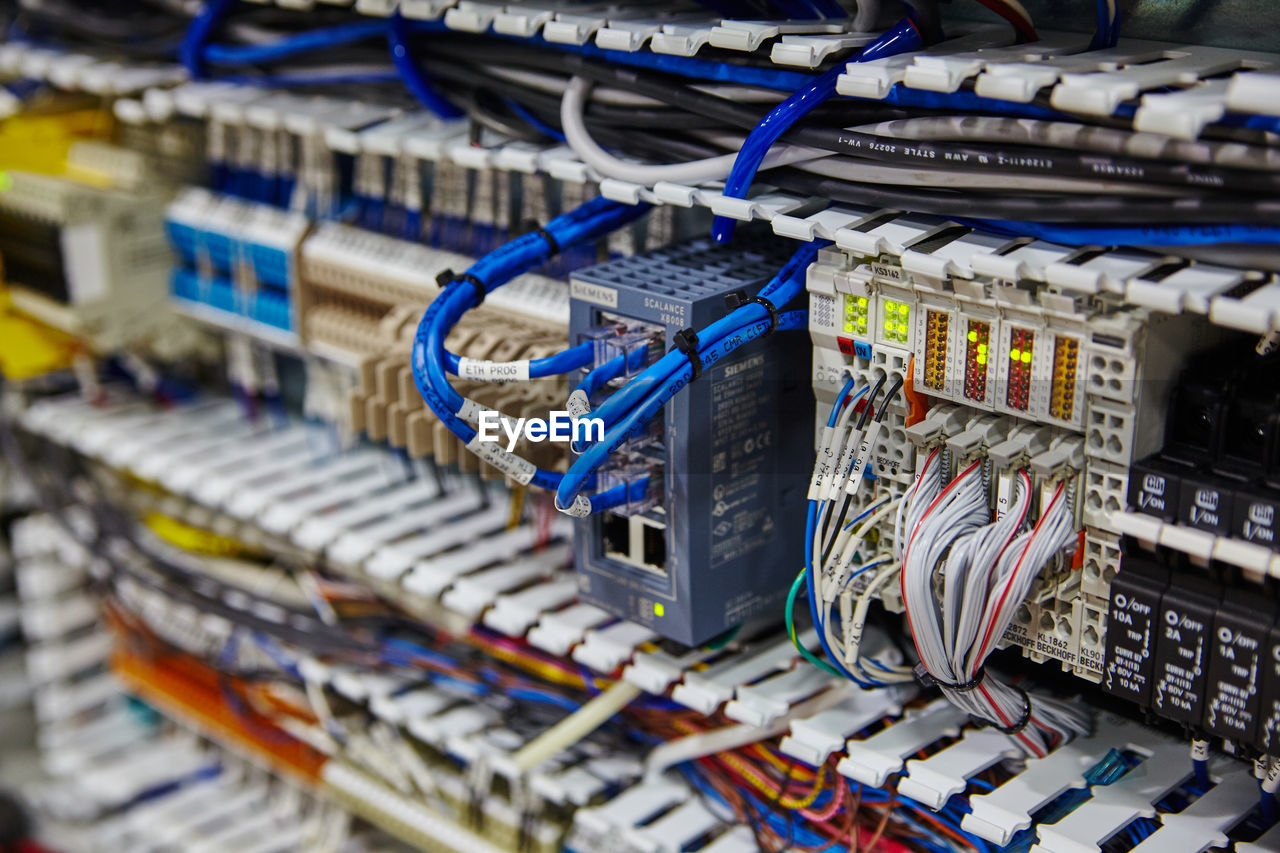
717,541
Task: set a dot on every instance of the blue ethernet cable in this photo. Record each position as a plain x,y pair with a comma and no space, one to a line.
574,358
1108,29
584,467
903,37
305,42
621,413
191,51
783,287
414,80
1133,235
587,222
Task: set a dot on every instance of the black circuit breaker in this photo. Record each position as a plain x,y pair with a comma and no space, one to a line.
1233,695
1268,735
1155,487
1136,594
1187,613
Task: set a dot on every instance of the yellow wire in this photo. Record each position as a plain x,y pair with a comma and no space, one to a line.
752,776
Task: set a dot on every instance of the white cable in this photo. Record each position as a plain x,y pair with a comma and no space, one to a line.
572,120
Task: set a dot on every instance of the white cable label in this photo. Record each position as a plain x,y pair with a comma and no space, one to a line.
826,458
1199,750
844,464
866,448
483,370
578,405
581,507
518,469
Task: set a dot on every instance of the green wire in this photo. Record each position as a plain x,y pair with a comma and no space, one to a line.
791,629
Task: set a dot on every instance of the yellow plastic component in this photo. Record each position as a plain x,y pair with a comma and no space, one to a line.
194,539
29,348
39,143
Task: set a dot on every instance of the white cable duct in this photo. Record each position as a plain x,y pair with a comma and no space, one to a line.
688,748
572,120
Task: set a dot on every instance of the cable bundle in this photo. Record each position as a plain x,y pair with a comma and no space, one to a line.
985,571
834,554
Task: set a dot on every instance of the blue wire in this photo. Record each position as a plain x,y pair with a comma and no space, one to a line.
319,39
533,121
191,51
584,467
316,78
552,365
904,36
414,79
784,286
1134,235
585,223
841,402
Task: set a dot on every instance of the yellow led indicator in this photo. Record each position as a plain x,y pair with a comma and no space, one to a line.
973,336
1014,355
895,320
658,609
856,319
1026,357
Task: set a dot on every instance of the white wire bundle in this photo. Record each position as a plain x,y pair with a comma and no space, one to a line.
837,545
986,571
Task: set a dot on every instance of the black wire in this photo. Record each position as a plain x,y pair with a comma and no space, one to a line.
1038,207
1000,162
888,398
871,404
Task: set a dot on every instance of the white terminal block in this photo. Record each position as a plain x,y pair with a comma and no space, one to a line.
561,630
154,465
630,808
1203,825
672,832
999,815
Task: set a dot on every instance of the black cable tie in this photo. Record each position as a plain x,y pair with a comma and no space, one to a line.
449,276
1018,725
737,298
922,675
532,226
686,340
